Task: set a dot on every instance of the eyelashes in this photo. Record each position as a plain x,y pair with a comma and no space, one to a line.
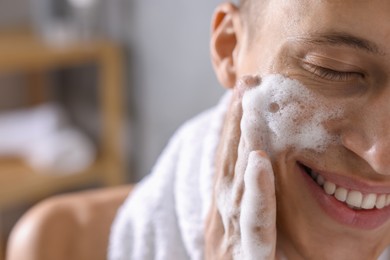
330,74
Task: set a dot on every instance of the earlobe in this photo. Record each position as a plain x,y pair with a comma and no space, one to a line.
224,43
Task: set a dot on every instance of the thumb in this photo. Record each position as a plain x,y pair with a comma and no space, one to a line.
258,209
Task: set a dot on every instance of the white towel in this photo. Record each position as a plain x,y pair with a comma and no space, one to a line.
43,137
65,151
18,128
164,216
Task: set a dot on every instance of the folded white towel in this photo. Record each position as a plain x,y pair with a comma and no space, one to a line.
164,216
19,128
67,151
43,137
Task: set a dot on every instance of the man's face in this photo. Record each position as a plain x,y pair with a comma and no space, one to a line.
339,50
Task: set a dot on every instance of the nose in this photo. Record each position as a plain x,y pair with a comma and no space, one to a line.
378,158
372,149
369,138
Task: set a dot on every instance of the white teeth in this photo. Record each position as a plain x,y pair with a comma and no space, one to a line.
320,180
380,201
354,198
330,188
341,194
369,201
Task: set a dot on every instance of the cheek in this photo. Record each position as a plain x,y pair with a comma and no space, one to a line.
282,114
257,57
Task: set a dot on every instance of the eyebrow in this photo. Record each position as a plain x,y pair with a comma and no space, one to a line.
344,39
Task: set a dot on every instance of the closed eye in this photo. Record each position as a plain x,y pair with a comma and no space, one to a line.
330,74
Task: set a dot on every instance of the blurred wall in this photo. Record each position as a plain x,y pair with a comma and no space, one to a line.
172,78
14,12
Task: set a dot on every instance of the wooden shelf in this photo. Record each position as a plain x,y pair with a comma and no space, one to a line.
22,52
19,183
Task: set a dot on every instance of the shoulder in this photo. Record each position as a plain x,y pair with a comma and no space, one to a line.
81,218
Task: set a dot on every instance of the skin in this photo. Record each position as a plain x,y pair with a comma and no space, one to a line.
310,41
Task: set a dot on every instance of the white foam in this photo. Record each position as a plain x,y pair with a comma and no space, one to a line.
281,113
258,217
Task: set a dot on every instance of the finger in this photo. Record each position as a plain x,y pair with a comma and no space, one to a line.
258,209
227,157
231,133
218,223
214,231
247,82
226,218
245,144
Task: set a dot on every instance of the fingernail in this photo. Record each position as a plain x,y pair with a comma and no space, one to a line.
246,83
249,81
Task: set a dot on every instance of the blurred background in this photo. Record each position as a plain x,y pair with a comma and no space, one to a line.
91,91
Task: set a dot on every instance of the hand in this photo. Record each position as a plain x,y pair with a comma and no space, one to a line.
242,220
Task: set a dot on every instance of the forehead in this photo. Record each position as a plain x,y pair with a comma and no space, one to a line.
363,18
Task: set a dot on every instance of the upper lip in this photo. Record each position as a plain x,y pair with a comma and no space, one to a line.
351,181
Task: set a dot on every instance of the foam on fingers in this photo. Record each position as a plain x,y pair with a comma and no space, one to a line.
258,209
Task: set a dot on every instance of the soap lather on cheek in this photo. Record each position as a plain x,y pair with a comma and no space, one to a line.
281,113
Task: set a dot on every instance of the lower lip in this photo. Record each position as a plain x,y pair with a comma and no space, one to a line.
340,212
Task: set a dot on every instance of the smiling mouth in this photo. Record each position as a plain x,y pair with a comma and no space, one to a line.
354,199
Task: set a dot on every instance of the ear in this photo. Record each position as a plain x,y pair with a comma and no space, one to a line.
226,29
